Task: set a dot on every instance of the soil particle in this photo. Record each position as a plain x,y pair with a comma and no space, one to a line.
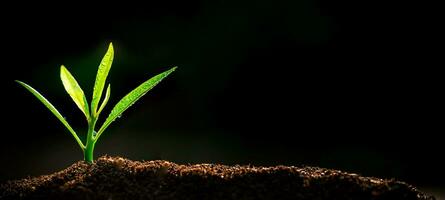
115,178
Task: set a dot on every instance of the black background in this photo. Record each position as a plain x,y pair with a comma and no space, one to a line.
331,84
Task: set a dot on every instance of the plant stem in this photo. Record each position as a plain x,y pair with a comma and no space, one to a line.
89,149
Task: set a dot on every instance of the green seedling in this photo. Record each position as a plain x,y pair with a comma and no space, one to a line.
93,111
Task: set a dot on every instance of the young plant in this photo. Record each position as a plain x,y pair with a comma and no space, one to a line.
93,111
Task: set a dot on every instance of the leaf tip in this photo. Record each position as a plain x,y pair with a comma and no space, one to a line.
62,68
171,70
19,82
110,46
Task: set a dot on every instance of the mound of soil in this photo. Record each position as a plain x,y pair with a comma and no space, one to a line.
113,178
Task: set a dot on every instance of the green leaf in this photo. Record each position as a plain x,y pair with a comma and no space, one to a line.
131,98
105,101
101,77
53,110
72,87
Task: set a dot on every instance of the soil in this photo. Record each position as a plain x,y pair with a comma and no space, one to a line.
114,178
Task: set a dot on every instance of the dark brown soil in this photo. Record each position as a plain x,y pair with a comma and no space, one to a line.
114,178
